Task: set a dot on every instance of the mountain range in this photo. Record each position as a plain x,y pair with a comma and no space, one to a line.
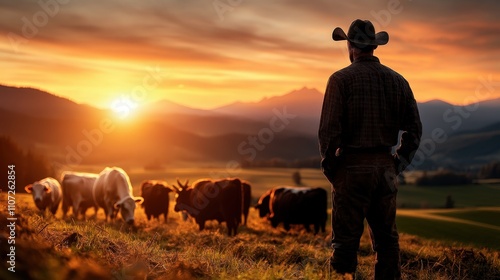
282,126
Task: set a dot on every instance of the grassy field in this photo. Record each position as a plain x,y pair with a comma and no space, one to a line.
467,198
52,248
477,227
461,243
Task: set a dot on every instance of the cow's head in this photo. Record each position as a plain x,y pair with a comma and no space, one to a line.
39,191
182,193
127,208
161,189
263,205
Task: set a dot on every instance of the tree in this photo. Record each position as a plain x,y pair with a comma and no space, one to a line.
450,203
443,178
489,171
297,178
29,166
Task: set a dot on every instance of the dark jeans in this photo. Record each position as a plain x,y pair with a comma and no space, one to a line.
364,186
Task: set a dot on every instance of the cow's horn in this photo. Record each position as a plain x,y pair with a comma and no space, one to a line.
175,188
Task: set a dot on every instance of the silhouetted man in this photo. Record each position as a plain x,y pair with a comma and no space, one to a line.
366,105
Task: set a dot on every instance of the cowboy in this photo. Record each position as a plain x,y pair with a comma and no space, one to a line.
366,105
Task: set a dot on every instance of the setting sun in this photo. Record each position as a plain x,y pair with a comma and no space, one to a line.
123,107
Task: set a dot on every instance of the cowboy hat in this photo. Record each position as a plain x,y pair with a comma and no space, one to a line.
361,32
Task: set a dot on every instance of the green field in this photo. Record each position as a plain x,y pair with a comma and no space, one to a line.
486,216
411,196
479,227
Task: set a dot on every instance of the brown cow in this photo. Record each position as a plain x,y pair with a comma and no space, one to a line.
294,205
212,200
156,199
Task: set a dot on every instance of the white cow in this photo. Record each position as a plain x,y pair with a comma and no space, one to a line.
113,191
77,192
46,194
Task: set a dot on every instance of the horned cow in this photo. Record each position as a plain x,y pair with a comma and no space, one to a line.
46,194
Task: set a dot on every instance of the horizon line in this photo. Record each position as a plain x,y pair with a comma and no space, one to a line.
230,103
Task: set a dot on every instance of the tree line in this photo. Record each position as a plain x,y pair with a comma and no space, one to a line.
29,166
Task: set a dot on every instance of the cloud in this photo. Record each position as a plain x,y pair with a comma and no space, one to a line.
254,39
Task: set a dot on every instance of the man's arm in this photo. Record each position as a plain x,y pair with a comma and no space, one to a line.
410,139
330,127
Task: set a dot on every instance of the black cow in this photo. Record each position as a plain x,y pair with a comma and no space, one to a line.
156,199
294,205
247,197
212,200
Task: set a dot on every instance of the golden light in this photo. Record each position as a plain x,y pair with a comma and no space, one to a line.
124,107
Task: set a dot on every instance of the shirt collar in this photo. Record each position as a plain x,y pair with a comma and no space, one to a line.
367,58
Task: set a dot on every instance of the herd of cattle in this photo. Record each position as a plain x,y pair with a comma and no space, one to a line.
224,200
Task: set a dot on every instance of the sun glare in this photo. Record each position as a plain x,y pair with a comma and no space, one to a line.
123,107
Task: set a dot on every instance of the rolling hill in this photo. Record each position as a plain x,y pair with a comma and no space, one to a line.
277,127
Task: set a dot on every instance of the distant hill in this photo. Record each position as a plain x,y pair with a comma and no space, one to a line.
167,131
38,103
454,119
164,107
305,103
71,133
469,149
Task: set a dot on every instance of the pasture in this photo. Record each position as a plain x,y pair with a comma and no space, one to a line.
411,199
436,243
458,231
52,248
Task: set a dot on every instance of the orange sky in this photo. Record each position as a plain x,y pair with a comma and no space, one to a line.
208,53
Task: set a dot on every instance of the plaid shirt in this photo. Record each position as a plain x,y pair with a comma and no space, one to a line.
365,106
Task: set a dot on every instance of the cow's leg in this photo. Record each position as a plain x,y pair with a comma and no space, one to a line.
287,226
65,206
165,217
108,210
53,209
274,222
95,212
114,213
201,225
308,227
42,211
230,226
236,224
77,200
83,210
316,228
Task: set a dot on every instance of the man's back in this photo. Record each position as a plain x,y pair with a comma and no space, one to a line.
375,101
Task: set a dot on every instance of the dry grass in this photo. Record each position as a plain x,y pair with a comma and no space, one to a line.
51,248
